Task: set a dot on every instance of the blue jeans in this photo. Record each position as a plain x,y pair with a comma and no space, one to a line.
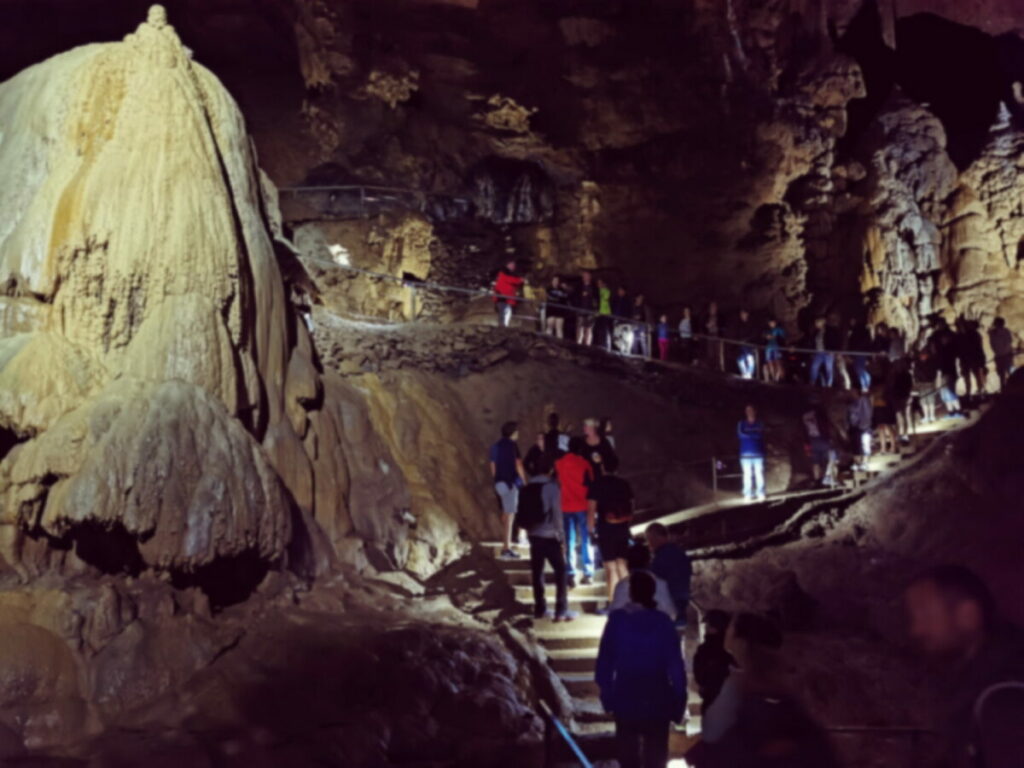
861,372
753,477
576,523
747,363
826,359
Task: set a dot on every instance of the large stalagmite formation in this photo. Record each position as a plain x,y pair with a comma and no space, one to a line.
145,315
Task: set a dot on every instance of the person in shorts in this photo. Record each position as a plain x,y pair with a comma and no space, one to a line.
609,514
555,311
775,337
509,474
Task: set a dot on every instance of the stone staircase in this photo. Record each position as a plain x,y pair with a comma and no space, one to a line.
572,646
572,654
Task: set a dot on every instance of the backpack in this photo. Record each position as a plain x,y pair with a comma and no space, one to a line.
530,511
617,505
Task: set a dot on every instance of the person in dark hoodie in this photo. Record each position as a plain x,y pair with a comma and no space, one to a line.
711,663
642,676
979,664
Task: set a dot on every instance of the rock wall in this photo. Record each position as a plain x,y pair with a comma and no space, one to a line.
730,159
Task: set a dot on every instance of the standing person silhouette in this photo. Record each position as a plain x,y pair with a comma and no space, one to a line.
642,676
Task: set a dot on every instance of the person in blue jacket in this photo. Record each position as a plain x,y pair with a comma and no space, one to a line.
751,434
642,676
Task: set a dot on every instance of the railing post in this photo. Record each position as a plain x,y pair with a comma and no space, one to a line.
543,315
412,302
721,355
757,363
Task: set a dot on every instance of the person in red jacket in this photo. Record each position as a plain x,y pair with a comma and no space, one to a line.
507,286
575,476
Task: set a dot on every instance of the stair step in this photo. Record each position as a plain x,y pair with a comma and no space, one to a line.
584,632
573,659
580,603
590,711
521,577
598,592
580,684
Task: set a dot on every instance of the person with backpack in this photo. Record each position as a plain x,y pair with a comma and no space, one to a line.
609,514
642,677
575,476
509,475
540,515
752,452
755,721
536,451
556,439
979,668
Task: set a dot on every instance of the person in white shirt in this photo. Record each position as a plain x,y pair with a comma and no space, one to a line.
639,559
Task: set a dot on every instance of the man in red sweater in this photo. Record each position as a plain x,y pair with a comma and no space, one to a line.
506,289
574,477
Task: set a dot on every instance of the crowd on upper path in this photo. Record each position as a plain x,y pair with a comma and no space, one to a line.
852,355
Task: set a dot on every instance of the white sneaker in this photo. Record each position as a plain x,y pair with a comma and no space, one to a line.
760,497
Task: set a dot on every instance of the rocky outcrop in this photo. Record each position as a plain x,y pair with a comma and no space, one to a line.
135,232
850,557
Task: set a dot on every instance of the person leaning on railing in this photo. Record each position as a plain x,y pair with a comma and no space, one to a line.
507,286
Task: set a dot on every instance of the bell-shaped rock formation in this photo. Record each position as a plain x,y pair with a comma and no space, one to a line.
151,368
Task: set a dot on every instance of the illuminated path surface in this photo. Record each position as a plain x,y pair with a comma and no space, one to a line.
572,646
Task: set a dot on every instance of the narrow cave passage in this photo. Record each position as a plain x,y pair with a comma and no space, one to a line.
960,72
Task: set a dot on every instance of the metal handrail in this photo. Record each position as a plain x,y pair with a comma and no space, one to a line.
415,285
896,730
365,187
485,293
562,731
